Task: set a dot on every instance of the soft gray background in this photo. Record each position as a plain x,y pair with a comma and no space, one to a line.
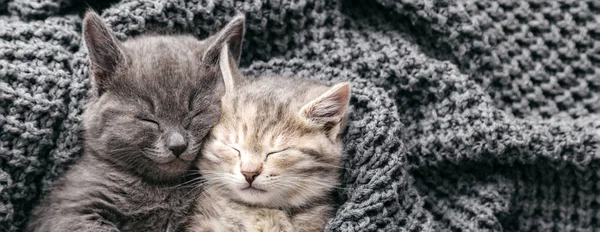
470,115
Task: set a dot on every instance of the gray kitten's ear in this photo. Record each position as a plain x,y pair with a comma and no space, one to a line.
329,109
105,53
232,34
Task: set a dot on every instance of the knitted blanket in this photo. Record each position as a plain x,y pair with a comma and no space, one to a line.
469,115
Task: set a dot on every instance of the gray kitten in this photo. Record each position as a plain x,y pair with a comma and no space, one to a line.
271,163
153,101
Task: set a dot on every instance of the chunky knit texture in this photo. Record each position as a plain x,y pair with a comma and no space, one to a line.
469,115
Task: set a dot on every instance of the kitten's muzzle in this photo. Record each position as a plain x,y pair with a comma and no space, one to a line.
176,143
250,176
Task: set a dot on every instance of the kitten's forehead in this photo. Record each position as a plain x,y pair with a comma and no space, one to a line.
260,118
167,70
288,93
165,59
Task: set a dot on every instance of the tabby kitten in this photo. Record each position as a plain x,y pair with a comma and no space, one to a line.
272,161
152,103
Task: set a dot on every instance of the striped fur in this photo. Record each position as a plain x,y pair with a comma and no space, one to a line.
288,130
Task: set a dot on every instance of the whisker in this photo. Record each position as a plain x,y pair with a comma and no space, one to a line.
186,183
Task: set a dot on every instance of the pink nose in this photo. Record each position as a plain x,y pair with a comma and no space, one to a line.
250,176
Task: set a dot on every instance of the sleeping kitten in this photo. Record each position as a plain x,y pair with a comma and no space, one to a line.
272,161
153,101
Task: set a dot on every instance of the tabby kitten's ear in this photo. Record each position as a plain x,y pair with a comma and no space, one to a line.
329,110
104,50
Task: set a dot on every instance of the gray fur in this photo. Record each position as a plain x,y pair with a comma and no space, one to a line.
153,101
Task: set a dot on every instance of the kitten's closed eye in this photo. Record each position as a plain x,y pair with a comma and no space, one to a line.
148,121
277,152
196,116
236,150
268,154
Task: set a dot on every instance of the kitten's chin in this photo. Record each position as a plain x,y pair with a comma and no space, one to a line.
255,197
174,169
276,198
260,197
253,190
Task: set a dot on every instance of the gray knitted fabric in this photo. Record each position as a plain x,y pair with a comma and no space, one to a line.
469,115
